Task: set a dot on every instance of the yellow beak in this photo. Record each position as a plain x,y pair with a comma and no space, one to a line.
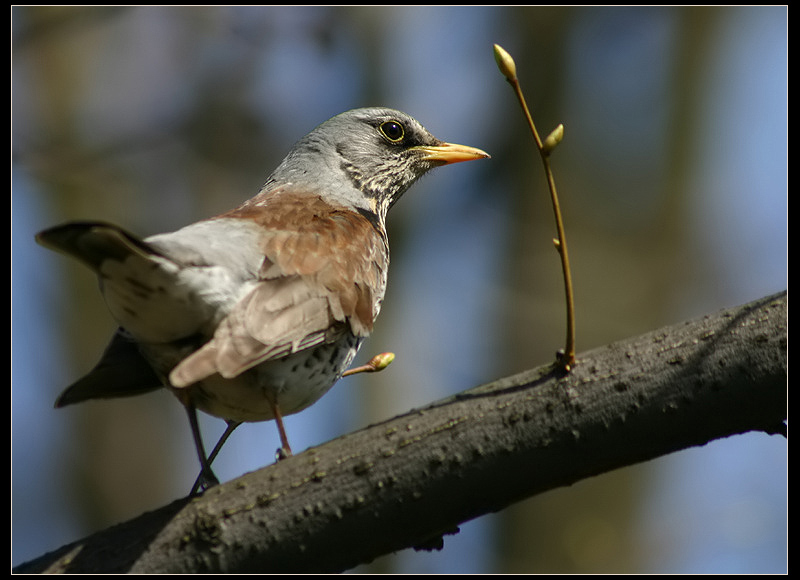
451,153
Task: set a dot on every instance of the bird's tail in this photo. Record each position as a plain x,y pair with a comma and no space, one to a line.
93,242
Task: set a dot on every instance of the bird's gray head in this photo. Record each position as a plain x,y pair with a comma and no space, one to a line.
368,158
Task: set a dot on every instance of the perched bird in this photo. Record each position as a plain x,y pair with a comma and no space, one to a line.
255,313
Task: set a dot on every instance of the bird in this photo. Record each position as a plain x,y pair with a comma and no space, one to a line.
254,314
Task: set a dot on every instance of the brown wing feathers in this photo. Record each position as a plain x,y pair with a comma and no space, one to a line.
301,298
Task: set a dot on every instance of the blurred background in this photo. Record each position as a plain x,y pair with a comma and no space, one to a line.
673,184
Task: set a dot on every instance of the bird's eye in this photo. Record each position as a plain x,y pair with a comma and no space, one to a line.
393,131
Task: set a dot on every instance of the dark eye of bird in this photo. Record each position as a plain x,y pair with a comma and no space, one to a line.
393,131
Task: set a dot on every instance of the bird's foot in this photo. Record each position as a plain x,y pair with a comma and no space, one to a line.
205,481
283,453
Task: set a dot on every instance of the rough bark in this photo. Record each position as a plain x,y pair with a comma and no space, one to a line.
411,480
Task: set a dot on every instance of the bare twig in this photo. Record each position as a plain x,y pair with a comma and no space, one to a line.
506,65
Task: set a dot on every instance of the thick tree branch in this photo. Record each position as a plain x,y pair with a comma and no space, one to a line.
409,480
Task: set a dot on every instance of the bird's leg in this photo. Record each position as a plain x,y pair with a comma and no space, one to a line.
375,364
206,479
232,425
228,430
285,450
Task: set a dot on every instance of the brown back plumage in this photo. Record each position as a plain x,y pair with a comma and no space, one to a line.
323,274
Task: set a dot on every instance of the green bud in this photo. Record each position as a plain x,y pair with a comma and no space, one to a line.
553,139
505,63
